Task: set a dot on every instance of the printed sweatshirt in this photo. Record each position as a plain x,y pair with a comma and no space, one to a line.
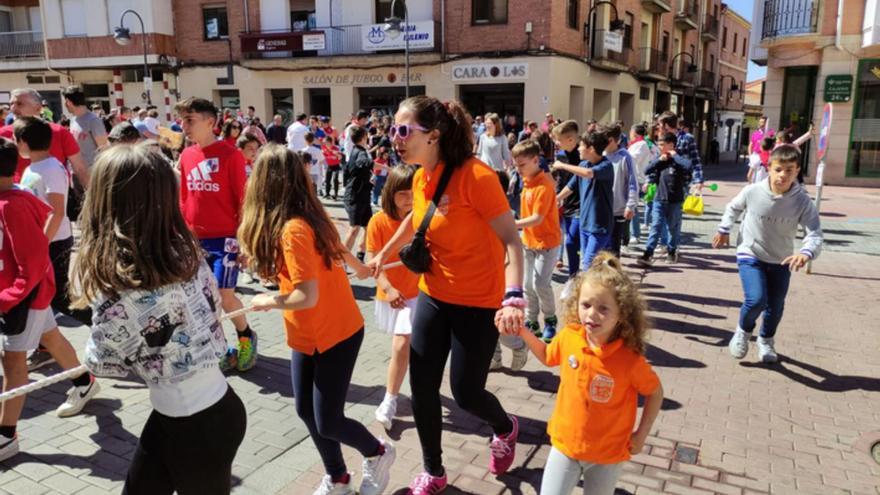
771,221
170,337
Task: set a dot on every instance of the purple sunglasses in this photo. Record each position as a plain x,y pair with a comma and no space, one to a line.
404,131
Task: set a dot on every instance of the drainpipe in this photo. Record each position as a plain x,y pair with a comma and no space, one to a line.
247,17
46,45
837,34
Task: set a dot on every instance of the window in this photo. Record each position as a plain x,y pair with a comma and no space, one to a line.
628,20
711,62
745,44
735,42
216,23
5,21
571,13
724,39
489,11
644,93
73,14
664,48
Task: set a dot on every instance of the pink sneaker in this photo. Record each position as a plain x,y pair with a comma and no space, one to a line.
503,449
425,484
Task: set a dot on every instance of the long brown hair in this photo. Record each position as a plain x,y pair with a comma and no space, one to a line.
133,234
400,178
453,122
606,271
496,119
278,190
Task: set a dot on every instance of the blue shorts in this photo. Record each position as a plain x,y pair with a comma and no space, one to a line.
222,257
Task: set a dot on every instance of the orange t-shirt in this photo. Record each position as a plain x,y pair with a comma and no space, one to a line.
539,196
598,396
467,257
336,317
380,230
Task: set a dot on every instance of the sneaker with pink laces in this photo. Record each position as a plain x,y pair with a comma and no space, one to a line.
503,449
425,484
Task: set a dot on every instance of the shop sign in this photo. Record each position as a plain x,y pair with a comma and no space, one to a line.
838,88
490,72
613,41
420,35
282,42
361,79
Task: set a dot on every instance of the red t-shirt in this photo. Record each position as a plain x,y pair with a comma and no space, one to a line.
24,251
331,155
212,189
63,146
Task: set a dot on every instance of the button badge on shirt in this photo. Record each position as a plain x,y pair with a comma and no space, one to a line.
573,362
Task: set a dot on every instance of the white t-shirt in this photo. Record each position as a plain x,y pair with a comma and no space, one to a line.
641,155
49,177
296,136
317,157
759,171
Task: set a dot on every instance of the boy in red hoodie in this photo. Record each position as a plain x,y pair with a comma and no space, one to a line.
26,318
212,181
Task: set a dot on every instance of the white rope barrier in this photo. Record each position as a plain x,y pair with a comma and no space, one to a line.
79,370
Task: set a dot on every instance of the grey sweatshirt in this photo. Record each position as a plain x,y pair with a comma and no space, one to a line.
625,188
771,222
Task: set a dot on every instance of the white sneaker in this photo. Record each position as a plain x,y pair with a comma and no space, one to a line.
8,447
567,289
386,411
328,487
633,241
496,359
739,344
377,471
766,350
520,356
77,397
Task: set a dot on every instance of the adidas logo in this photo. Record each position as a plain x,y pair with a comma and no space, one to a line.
199,178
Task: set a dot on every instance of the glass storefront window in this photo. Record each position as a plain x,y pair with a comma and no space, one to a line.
864,148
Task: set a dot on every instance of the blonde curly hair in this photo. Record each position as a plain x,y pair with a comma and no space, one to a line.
606,271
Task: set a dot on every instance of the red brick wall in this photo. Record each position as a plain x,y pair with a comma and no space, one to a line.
733,55
463,37
106,46
189,29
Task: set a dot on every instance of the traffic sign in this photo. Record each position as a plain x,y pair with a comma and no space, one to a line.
824,131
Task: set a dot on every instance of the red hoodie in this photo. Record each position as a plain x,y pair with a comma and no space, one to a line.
24,251
212,189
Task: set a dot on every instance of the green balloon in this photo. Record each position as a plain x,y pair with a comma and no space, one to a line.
713,187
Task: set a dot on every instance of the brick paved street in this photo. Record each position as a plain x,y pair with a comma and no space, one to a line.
726,427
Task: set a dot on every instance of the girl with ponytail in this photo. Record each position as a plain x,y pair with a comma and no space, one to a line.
468,289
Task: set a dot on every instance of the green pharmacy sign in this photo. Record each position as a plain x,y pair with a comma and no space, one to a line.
838,89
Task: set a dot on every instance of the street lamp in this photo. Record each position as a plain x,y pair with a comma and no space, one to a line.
733,86
122,35
614,25
392,28
691,69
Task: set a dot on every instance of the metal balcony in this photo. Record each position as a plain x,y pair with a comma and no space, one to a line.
603,58
707,80
710,28
657,6
653,64
789,17
688,17
679,76
21,45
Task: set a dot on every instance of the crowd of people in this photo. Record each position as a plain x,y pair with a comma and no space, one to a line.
461,226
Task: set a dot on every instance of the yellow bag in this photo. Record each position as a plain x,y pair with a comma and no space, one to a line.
693,205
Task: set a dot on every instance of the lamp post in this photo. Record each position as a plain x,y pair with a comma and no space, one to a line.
733,86
122,35
614,25
392,29
691,69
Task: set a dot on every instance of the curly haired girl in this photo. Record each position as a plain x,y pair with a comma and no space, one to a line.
602,373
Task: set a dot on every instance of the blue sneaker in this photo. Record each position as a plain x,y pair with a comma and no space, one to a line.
549,329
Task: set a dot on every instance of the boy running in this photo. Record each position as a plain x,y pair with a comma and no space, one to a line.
211,193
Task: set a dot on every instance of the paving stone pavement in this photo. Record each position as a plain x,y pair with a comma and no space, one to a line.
726,427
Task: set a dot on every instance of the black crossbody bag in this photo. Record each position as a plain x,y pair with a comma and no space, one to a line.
15,321
416,256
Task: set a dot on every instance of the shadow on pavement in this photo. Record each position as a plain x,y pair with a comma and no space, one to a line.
694,331
827,382
665,359
669,307
694,299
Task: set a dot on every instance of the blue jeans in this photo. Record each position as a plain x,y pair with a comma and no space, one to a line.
591,244
377,188
635,226
664,215
765,286
571,226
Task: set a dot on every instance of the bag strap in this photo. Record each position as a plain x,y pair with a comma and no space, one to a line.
438,194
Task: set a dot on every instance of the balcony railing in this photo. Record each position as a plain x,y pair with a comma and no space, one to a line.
21,44
600,53
338,40
710,27
688,16
679,75
707,79
654,61
789,17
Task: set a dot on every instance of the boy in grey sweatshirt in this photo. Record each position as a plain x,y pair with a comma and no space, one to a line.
774,208
625,191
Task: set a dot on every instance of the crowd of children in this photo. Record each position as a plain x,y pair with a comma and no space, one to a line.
156,279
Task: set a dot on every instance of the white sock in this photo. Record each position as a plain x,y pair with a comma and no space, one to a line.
389,398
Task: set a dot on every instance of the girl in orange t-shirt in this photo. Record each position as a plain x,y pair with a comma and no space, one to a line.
287,236
602,372
397,288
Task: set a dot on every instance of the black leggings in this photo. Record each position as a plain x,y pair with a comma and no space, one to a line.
320,382
190,455
59,252
471,335
332,178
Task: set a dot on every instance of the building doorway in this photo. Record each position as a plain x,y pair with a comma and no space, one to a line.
798,96
319,101
385,100
503,99
864,149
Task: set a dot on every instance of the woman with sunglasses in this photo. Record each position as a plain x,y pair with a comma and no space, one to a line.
231,131
459,297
